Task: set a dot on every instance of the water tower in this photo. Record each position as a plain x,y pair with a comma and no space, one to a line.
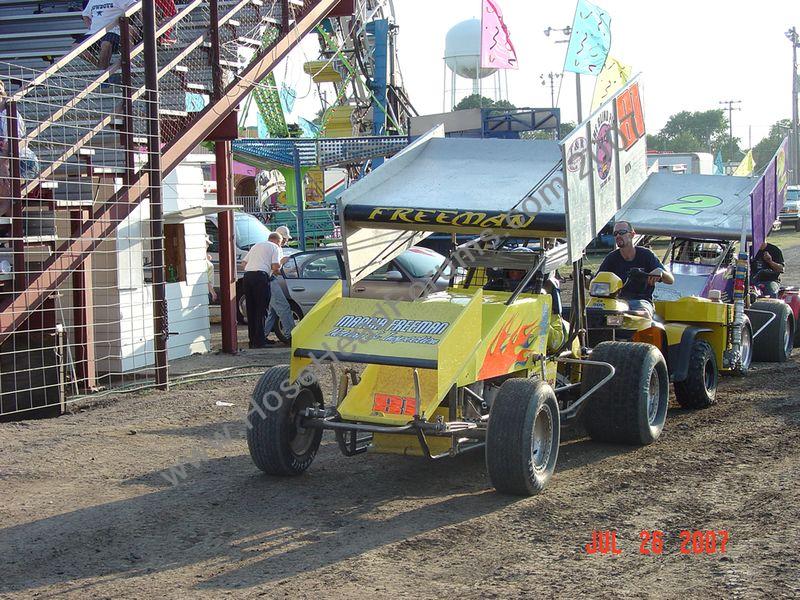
462,57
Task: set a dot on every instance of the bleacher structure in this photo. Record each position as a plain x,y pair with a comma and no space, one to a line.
92,246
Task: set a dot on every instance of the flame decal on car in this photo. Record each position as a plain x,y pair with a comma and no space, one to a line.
509,349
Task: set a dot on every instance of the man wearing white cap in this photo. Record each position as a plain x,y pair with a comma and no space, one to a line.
279,305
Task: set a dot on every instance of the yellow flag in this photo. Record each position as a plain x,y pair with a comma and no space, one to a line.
746,167
612,78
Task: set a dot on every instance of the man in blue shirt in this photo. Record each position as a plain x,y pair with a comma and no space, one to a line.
639,293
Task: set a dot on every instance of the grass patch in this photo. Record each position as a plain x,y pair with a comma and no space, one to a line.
786,237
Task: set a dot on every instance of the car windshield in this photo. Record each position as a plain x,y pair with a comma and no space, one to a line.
249,230
421,262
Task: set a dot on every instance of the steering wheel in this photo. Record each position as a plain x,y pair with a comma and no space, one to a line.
756,278
636,275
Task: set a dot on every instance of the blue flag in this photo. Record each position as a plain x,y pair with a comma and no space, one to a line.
287,96
309,129
590,40
719,166
263,130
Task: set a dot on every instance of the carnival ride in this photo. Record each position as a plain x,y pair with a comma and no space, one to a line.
358,64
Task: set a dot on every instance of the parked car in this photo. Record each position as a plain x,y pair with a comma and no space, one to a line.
790,213
308,275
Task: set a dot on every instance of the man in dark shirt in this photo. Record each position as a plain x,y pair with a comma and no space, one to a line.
766,268
639,294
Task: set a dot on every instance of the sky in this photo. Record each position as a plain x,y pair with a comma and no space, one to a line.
692,54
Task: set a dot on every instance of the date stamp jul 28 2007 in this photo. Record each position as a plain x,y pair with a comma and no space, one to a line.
652,542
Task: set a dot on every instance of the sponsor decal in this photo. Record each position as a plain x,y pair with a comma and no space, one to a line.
409,331
630,117
576,155
603,139
451,218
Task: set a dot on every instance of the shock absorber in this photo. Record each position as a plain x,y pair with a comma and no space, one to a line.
739,281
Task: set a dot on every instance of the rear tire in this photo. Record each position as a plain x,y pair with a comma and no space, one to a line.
775,343
796,340
278,444
523,436
699,389
632,407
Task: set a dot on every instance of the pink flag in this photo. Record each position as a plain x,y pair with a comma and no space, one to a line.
497,51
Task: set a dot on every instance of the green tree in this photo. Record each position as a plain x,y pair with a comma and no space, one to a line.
702,131
766,148
564,130
478,101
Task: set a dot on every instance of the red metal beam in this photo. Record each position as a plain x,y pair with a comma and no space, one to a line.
227,268
227,252
108,216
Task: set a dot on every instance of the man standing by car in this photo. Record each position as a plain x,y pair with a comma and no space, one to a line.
626,257
261,264
279,305
766,268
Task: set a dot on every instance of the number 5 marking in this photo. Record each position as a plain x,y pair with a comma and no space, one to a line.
692,205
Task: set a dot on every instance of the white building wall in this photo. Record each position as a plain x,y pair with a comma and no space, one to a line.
124,297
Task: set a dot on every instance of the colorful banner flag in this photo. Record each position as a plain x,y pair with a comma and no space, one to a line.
497,51
589,41
719,166
746,167
612,78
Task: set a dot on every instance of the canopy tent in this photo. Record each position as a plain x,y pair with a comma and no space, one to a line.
453,185
695,206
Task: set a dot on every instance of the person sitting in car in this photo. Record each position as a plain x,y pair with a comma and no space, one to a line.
639,293
766,268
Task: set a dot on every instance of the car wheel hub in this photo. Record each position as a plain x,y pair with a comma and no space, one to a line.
653,397
542,441
300,438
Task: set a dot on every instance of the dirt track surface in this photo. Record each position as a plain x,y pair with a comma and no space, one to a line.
86,510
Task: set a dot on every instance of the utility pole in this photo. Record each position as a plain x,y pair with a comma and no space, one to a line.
567,31
730,104
794,142
553,77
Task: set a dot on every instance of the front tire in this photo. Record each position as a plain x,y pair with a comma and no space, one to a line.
699,389
278,443
523,437
632,407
